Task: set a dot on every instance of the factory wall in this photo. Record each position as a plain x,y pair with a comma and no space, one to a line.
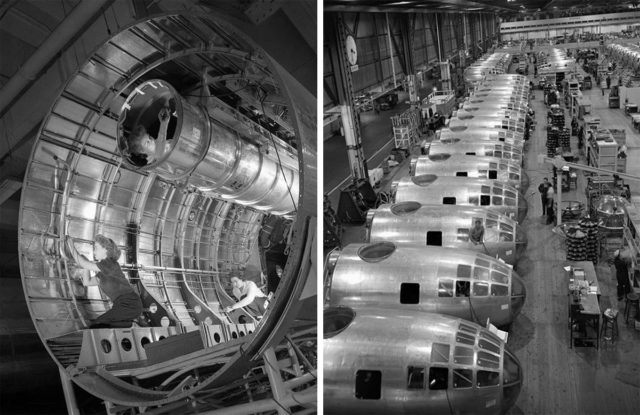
382,51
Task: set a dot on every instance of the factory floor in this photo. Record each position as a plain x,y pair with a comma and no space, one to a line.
559,379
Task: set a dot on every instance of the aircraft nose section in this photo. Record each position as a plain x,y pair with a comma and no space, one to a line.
512,380
521,241
518,294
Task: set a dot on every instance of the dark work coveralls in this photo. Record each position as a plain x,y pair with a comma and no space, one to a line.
543,196
622,275
127,305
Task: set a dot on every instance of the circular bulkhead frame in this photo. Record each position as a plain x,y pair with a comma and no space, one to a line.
179,243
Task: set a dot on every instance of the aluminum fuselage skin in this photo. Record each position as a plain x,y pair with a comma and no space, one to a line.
411,223
412,341
505,171
456,282
464,191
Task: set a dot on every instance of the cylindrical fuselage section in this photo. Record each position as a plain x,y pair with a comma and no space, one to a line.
491,134
463,114
456,282
481,167
447,190
213,157
495,106
447,226
459,125
409,362
476,148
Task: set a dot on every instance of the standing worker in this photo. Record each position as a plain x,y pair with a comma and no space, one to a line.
550,215
543,188
608,82
622,275
127,305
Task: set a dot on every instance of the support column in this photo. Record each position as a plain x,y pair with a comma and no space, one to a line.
69,394
350,120
278,389
357,162
393,65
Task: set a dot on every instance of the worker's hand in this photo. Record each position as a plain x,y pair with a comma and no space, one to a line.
228,309
164,114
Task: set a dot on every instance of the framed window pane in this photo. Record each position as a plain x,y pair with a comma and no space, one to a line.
499,277
486,378
463,288
438,378
499,290
462,378
481,273
415,377
463,355
487,345
488,360
445,288
464,271
480,289
440,353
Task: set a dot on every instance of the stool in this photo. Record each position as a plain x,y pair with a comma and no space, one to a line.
633,301
609,329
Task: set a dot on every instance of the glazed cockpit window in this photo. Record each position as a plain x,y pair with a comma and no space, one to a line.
480,289
463,288
488,360
438,378
480,273
498,290
440,353
499,277
464,271
486,378
506,227
463,355
462,378
506,237
487,345
445,288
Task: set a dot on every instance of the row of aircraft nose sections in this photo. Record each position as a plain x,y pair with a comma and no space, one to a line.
406,312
